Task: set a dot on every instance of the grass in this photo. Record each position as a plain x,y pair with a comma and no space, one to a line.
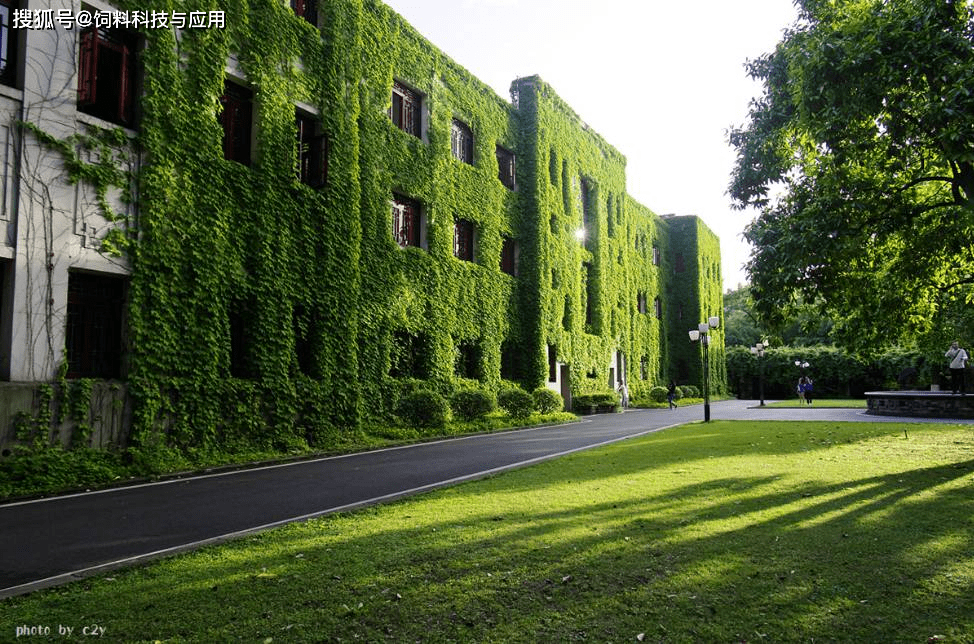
726,532
823,403
53,470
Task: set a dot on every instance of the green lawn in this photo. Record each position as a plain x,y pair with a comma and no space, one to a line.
726,532
825,403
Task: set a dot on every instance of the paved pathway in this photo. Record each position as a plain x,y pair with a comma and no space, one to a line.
51,541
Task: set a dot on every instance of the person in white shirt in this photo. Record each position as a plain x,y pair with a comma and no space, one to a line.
958,363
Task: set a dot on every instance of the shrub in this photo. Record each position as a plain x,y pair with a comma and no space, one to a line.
546,401
658,394
470,404
516,402
690,391
423,409
590,403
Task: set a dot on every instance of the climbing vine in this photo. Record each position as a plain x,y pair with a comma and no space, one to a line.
264,311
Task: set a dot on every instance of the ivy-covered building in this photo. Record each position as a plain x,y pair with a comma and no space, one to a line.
264,218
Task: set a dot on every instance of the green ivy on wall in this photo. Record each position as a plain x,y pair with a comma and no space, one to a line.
264,311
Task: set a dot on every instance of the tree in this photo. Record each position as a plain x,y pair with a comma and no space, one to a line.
806,326
859,156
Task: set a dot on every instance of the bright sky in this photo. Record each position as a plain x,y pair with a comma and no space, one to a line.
660,80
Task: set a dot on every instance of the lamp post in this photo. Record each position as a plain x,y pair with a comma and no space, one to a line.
758,350
702,333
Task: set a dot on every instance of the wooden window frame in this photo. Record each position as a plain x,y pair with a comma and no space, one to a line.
237,119
312,151
406,109
306,9
461,141
505,168
463,240
94,45
406,222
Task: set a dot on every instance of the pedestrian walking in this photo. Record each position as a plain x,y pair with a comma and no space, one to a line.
958,364
671,394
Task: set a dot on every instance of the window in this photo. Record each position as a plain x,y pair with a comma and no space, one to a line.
93,336
241,313
590,297
552,363
510,361
509,256
658,306
655,255
463,239
307,9
468,360
409,355
312,154
237,120
644,368
406,221
461,141
106,74
405,111
505,167
680,263
585,202
8,43
641,302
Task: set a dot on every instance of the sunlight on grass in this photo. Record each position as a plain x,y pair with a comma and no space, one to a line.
724,532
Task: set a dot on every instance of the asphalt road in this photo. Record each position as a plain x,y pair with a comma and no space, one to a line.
52,541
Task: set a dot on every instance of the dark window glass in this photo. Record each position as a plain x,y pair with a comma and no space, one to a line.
307,9
8,44
405,221
237,120
106,74
312,154
93,340
505,167
405,110
461,141
509,256
463,239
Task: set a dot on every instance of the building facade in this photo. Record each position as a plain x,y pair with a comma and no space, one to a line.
266,221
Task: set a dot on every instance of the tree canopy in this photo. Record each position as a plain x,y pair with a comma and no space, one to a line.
859,156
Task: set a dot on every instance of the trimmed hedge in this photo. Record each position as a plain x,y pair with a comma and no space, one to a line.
423,409
516,402
470,404
547,401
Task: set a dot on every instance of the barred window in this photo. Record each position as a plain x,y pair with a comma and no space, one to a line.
406,221
461,140
405,110
93,340
463,239
312,153
505,167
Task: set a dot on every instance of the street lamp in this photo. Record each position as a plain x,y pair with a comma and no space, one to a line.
702,333
758,350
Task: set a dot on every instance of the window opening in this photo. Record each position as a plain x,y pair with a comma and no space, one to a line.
312,153
405,110
307,9
237,121
505,167
461,141
8,43
106,74
463,239
406,221
93,338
